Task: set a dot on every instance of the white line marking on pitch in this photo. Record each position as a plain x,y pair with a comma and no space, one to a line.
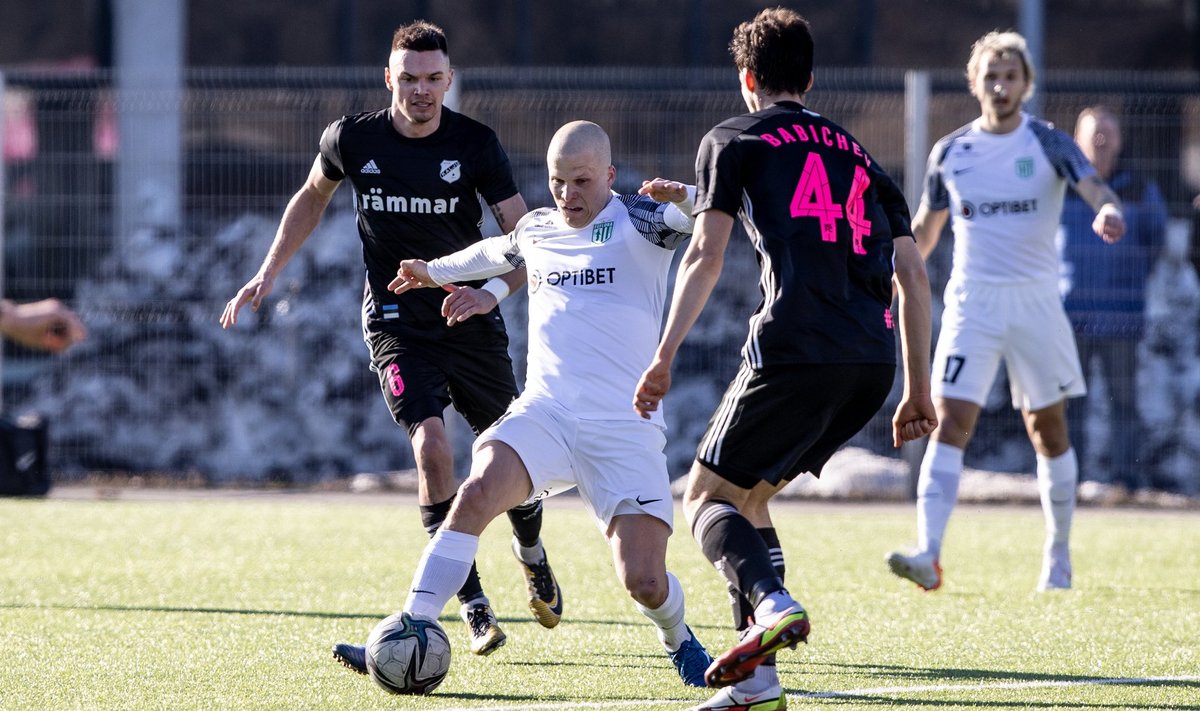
881,690
986,687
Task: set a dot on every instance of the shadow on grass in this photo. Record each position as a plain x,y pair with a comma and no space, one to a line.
944,681
618,661
1131,590
200,610
893,702
444,619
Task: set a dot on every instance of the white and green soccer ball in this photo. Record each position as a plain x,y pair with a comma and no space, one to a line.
408,655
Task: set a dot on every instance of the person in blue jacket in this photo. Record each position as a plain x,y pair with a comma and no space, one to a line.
1104,292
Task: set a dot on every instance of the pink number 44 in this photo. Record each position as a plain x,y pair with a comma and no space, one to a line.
813,198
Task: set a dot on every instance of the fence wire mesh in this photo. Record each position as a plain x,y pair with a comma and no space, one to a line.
287,395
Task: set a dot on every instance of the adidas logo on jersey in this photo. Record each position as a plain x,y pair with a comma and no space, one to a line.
370,168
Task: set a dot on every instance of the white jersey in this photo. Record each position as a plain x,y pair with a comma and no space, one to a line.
1005,195
596,298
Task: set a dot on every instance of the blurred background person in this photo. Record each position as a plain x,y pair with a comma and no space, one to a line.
1104,292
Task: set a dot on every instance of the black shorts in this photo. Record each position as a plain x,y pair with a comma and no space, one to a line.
776,423
420,377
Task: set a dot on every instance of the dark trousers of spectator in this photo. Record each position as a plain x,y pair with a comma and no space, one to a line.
1117,360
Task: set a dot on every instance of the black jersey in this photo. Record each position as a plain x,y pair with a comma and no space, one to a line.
822,215
416,198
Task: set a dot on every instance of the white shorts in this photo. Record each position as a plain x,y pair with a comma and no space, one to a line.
1026,326
618,465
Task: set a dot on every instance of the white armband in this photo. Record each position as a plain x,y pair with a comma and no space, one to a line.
497,287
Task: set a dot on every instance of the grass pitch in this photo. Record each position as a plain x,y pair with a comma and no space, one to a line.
233,603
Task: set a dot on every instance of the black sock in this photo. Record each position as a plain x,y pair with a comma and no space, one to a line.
771,538
734,546
526,522
432,516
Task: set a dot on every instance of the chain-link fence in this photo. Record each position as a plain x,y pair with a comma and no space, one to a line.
287,394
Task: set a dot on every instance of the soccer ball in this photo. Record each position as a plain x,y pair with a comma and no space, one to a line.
408,655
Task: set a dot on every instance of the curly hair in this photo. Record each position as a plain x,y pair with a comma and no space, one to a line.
419,36
776,48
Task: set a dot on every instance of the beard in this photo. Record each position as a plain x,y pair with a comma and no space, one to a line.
1007,112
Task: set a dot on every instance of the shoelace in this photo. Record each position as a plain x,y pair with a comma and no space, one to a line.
480,620
543,582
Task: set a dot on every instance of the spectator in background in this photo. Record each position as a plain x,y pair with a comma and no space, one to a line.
1104,291
46,325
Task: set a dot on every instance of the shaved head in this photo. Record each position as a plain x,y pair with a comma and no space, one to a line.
579,162
581,137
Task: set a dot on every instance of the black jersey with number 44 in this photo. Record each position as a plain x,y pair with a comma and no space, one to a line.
822,215
416,198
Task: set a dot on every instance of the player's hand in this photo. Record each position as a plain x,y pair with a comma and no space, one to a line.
651,388
664,190
915,418
1109,223
253,293
46,325
463,302
412,274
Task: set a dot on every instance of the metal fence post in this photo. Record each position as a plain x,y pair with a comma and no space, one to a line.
3,191
916,148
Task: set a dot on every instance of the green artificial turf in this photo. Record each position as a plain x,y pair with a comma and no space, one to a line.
233,603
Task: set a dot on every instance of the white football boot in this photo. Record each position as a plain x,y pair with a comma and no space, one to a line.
921,568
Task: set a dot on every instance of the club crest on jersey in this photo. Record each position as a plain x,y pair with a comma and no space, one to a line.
1024,167
602,232
451,171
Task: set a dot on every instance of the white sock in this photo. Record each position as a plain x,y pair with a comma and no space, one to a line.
443,569
1056,487
772,605
531,555
763,678
668,617
937,493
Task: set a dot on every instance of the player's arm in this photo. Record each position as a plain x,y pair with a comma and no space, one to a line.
491,257
1110,220
915,416
507,213
927,228
678,198
300,218
698,273
46,325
